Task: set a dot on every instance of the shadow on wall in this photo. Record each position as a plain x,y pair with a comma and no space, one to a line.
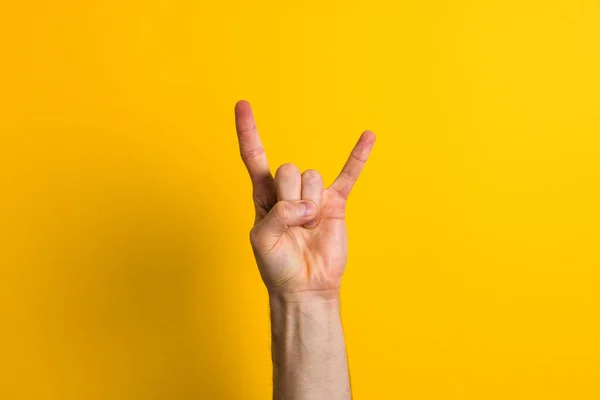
130,302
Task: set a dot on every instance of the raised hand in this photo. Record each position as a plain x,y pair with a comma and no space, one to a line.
299,235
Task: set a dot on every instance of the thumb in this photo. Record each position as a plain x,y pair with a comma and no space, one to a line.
283,215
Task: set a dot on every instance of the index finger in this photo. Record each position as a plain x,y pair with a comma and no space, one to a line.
354,165
251,148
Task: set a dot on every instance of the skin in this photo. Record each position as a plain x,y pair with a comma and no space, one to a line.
300,243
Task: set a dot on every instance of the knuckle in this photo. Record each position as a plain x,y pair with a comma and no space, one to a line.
360,156
254,235
252,153
283,210
249,131
350,173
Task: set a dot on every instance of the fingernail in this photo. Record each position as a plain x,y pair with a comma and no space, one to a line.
312,223
308,208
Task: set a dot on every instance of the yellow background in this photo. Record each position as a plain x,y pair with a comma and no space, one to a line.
474,266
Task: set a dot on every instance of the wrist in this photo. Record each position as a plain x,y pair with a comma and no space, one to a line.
309,354
320,307
277,297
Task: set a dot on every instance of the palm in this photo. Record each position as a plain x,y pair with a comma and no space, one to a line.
293,254
311,259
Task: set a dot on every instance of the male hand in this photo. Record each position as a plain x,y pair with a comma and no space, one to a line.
299,236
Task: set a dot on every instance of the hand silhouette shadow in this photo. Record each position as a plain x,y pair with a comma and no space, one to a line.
138,305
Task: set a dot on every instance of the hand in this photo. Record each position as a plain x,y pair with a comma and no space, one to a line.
299,236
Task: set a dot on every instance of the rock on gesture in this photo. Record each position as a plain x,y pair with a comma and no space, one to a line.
299,236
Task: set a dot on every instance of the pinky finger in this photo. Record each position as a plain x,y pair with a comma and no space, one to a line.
354,165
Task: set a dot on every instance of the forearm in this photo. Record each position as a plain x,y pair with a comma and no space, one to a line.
308,349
